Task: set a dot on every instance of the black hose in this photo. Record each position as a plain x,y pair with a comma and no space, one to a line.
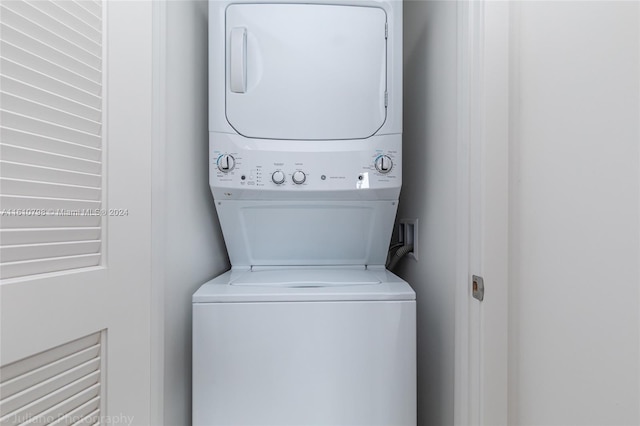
400,253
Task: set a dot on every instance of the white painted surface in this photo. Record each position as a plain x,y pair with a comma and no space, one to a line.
53,309
188,245
574,214
429,194
481,386
129,169
306,363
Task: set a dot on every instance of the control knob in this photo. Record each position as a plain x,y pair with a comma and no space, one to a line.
384,164
298,177
226,163
278,177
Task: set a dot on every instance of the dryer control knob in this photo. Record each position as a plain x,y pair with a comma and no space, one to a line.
384,164
299,177
226,163
278,177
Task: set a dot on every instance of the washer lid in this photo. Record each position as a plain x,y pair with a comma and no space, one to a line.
292,232
305,285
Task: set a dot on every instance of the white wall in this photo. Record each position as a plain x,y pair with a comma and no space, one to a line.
194,249
574,228
429,194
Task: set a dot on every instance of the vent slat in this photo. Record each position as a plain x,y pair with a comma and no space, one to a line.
47,235
46,82
58,206
43,266
20,55
27,10
16,121
93,7
16,154
73,395
47,371
15,369
52,39
46,189
60,385
18,88
43,143
47,174
44,50
53,9
86,371
32,109
82,14
22,252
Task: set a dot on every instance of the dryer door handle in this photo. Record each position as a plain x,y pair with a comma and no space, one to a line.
238,60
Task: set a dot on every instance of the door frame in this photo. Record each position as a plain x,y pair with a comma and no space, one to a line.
158,218
481,328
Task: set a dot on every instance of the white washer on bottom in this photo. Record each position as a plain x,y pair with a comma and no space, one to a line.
304,346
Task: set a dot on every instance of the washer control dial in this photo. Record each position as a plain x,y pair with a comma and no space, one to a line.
384,164
278,177
226,163
299,177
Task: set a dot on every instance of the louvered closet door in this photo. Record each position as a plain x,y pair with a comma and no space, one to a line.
75,149
51,128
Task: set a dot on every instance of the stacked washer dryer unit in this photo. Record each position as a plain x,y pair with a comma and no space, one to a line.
307,328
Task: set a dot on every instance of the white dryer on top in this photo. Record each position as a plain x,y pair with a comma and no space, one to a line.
305,129
322,70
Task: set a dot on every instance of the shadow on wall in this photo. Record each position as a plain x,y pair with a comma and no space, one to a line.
428,194
195,250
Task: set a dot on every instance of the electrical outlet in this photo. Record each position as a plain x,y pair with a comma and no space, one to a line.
408,234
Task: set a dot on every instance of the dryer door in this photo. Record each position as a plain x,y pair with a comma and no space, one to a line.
304,71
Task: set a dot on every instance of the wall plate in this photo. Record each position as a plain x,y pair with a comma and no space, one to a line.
408,234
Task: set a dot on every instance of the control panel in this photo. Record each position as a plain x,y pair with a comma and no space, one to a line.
236,165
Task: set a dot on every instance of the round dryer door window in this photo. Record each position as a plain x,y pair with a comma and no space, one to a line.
305,72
